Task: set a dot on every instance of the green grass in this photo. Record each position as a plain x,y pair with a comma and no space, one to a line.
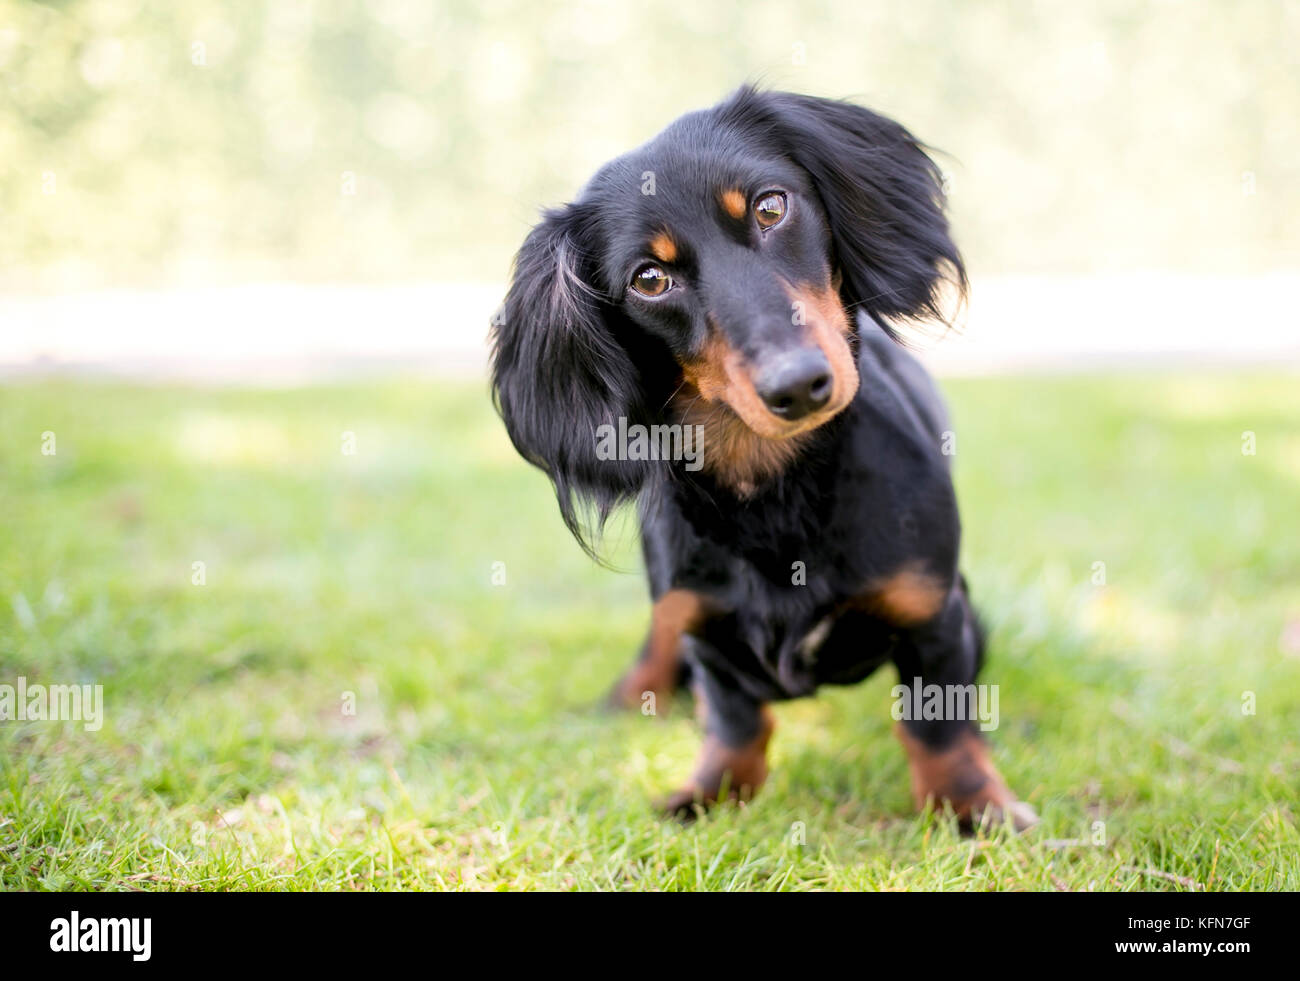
475,758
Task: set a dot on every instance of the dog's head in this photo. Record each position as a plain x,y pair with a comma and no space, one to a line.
720,261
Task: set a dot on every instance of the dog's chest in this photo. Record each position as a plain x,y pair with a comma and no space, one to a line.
782,628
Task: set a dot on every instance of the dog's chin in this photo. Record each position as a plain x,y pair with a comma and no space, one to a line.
772,427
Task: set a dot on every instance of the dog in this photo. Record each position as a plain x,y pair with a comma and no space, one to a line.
745,277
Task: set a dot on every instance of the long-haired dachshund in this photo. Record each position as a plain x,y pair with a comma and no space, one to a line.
732,289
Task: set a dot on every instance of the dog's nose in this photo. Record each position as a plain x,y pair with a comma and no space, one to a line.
799,383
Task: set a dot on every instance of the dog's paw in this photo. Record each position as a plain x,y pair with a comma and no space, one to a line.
692,802
685,805
963,777
639,690
996,814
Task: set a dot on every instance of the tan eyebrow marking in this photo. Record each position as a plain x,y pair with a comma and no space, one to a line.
663,248
734,202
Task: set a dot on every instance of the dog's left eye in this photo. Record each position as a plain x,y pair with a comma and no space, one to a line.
770,209
651,281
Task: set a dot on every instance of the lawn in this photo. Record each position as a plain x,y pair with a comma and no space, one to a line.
349,697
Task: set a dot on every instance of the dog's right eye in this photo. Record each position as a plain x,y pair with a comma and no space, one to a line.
651,281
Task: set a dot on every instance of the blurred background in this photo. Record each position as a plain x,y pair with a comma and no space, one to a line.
1124,178
250,477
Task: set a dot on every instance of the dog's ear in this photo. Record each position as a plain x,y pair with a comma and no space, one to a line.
559,373
884,199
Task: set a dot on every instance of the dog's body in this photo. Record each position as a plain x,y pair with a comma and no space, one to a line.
707,280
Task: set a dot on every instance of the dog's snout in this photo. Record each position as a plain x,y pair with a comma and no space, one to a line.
797,384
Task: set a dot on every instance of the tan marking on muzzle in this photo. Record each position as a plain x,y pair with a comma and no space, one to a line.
827,325
744,441
721,374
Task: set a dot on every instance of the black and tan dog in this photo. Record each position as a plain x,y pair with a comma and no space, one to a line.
745,272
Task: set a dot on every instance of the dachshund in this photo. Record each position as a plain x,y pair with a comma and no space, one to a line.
740,284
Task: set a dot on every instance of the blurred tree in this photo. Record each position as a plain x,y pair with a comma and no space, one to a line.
143,141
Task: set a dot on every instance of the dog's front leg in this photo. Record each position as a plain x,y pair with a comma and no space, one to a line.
733,761
949,760
659,669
